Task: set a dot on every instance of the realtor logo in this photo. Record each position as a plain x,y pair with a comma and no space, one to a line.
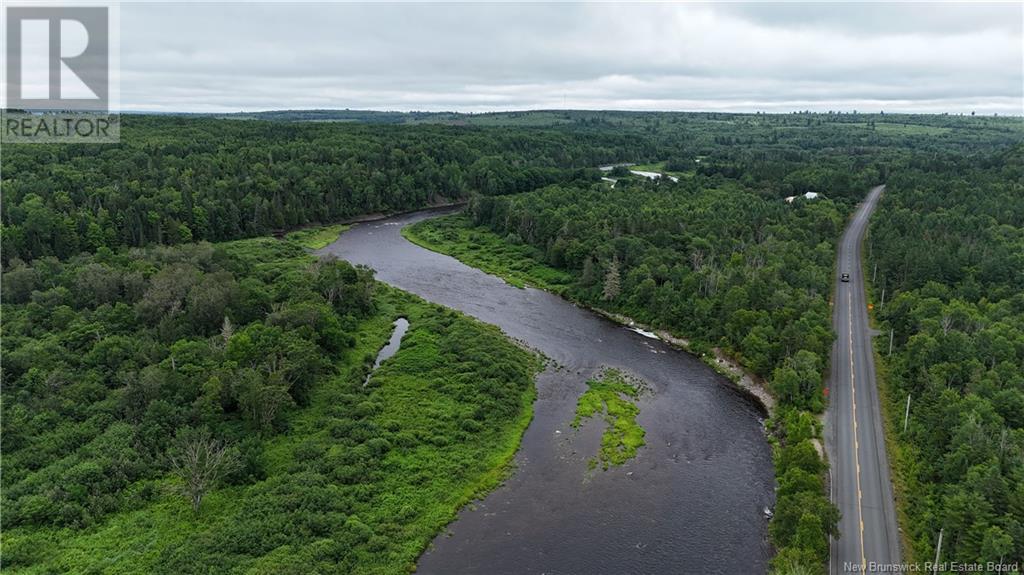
58,58
58,81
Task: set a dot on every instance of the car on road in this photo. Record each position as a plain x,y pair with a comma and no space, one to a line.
844,277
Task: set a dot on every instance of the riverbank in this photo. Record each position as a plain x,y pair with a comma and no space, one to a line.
518,267
718,360
315,236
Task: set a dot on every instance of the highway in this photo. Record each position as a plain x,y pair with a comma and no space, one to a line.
860,483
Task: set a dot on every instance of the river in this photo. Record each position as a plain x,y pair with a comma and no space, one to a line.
692,500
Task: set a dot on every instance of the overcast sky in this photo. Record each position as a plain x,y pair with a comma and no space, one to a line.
732,57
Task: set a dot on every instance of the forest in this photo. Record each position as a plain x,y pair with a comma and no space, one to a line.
948,243
201,408
182,179
183,392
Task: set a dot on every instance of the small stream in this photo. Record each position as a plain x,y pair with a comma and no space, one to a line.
401,326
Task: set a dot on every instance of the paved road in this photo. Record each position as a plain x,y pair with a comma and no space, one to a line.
861,487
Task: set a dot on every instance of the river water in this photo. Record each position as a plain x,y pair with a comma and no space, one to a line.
391,347
693,499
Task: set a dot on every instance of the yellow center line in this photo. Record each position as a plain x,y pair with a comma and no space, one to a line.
856,443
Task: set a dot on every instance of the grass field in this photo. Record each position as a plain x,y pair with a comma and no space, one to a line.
318,237
653,167
517,264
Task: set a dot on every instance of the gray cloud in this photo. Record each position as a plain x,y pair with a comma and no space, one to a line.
473,57
883,18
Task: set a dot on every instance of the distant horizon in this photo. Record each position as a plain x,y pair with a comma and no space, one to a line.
838,112
581,109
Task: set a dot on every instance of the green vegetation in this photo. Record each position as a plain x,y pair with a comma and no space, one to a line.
904,129
948,241
138,357
120,367
516,262
613,397
317,237
177,180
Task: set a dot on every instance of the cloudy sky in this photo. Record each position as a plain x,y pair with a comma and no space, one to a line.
733,57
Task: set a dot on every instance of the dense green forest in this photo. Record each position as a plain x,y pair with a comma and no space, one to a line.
201,408
179,179
948,242
182,179
175,405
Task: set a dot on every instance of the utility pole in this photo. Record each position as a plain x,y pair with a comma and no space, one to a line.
891,330
938,548
883,298
906,416
874,274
